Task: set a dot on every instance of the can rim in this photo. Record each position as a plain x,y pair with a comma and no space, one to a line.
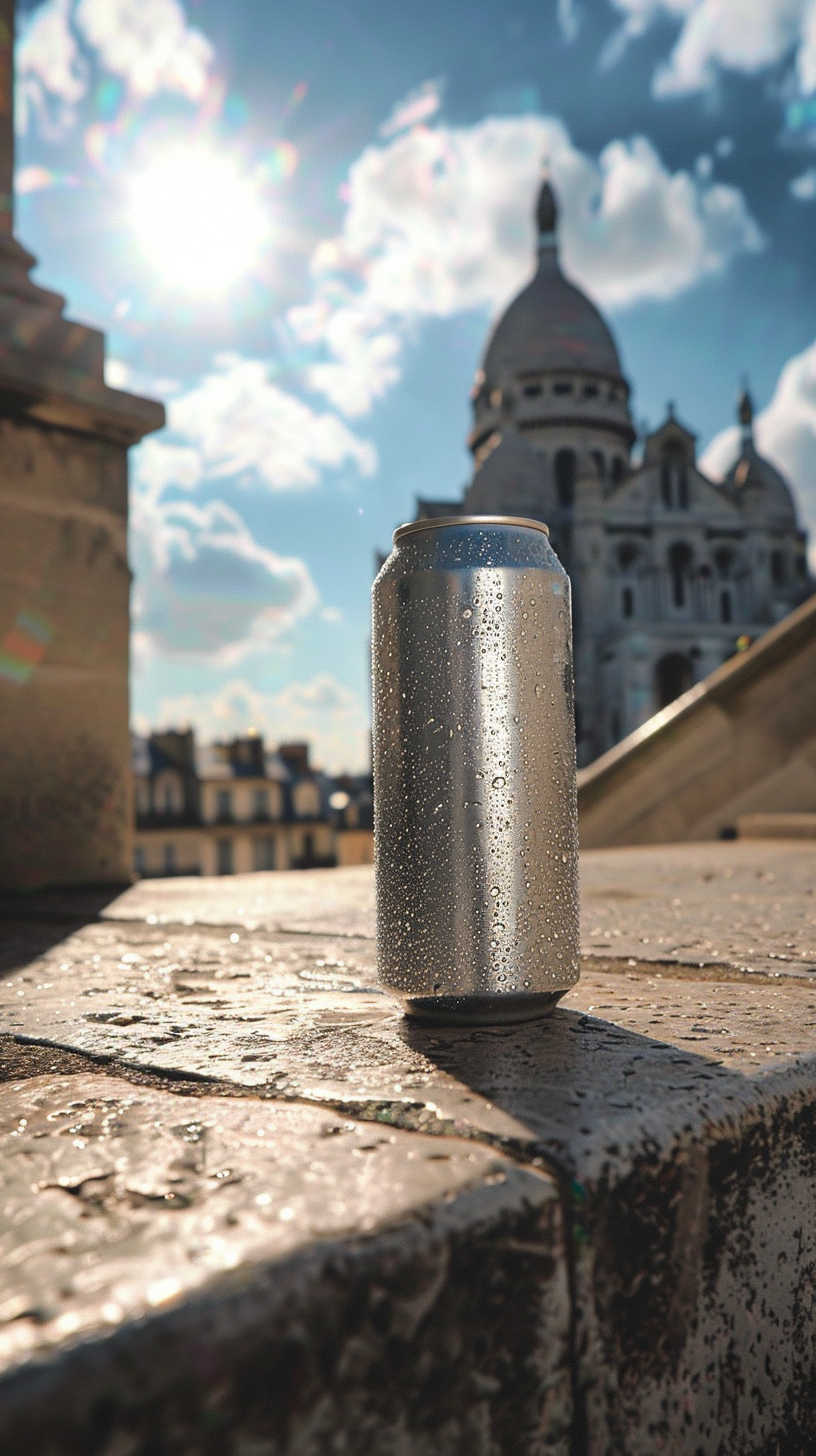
441,521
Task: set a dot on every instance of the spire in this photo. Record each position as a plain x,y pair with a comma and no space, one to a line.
546,216
745,415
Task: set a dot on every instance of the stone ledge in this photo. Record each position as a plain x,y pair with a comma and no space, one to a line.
663,1132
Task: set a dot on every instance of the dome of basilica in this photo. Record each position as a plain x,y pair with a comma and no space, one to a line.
551,325
753,482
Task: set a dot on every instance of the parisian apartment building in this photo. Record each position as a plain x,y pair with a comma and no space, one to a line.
234,807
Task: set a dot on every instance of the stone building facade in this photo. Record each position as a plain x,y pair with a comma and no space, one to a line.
671,572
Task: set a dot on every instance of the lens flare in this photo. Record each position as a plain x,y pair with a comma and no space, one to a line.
200,223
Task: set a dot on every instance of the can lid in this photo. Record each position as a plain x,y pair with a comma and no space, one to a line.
441,521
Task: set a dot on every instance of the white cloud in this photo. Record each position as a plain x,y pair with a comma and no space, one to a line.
439,220
206,590
803,188
720,454
786,432
736,35
149,44
569,21
158,463
321,711
51,76
417,107
239,423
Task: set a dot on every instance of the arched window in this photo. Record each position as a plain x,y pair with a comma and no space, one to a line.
618,469
724,560
600,465
674,676
680,559
725,606
666,485
627,555
565,477
674,481
628,602
777,568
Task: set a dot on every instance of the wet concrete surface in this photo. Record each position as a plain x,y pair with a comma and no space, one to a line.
658,1131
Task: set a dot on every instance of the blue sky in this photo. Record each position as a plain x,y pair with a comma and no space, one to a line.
295,224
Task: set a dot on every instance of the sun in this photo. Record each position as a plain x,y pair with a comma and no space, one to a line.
200,223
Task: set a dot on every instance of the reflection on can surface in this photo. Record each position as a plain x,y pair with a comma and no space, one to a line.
474,771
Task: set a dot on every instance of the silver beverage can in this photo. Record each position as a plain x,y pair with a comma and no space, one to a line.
476,845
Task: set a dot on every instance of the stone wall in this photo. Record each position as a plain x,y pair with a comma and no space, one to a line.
741,742
65,802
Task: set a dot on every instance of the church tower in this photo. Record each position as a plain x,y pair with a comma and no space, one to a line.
552,375
671,572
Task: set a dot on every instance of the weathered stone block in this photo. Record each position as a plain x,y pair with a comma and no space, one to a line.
65,803
611,1214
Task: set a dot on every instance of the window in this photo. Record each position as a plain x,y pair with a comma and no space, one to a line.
618,470
169,859
565,477
308,848
666,485
778,568
263,853
532,391
223,806
142,797
628,602
600,464
168,793
674,676
260,804
223,850
724,560
674,481
725,606
591,391
562,387
306,799
139,860
680,559
627,555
